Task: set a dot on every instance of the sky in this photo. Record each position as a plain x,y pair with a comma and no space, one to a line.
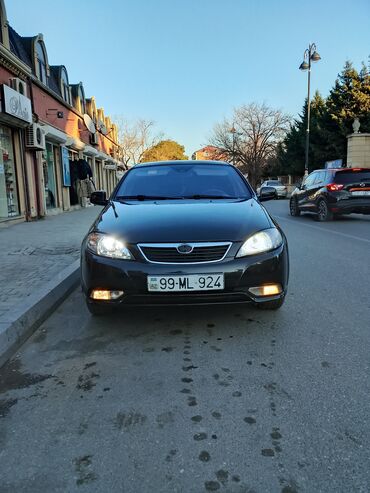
185,64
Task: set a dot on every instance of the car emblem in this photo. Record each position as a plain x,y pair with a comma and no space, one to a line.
185,249
362,184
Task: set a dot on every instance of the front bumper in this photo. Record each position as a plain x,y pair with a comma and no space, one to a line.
130,276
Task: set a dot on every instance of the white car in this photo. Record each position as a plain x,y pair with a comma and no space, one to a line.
281,190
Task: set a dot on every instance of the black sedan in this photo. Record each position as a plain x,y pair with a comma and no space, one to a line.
183,232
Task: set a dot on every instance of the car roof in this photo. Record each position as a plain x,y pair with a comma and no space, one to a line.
180,162
340,169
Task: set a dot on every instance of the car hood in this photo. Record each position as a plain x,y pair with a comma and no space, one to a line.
183,221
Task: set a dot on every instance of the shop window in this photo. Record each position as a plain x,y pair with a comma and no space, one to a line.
41,62
9,204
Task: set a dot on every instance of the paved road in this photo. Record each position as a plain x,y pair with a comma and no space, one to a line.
225,399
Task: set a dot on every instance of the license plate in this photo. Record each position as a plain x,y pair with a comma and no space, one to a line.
193,282
361,192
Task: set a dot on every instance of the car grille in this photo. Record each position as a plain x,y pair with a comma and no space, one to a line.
201,253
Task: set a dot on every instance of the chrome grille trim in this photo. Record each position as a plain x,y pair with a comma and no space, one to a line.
226,244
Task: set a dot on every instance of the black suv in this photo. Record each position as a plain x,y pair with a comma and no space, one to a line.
332,192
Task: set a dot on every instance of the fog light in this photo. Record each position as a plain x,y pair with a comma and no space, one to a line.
103,294
267,290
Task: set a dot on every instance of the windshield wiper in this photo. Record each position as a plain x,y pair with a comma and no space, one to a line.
204,196
145,197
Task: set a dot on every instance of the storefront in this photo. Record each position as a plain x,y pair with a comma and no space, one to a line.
15,114
75,148
110,168
99,182
50,157
56,194
89,155
9,194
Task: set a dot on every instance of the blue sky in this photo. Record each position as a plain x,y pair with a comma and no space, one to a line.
186,63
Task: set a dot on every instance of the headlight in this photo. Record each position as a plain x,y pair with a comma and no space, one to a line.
263,241
108,246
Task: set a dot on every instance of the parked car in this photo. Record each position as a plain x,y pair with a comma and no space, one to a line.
183,232
281,190
333,192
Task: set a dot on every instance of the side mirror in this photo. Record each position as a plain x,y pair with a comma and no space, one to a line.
99,197
267,193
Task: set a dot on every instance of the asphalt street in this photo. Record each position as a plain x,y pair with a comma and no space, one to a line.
229,399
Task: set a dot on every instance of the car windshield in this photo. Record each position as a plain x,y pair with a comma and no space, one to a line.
271,183
350,176
178,181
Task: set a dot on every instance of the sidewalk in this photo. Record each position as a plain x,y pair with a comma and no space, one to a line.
33,254
39,266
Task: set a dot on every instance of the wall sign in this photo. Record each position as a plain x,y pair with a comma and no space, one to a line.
16,105
110,166
65,167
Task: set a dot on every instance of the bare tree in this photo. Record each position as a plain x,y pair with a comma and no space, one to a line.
135,138
251,138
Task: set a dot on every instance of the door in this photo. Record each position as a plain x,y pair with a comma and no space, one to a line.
315,189
49,178
303,194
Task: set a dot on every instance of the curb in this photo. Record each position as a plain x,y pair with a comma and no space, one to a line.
21,321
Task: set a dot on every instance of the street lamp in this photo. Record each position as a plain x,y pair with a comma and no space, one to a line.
310,55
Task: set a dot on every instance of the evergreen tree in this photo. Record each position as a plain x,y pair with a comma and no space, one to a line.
330,123
348,99
291,153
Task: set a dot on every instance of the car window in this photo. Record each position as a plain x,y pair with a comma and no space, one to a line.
176,180
310,179
272,183
350,175
320,177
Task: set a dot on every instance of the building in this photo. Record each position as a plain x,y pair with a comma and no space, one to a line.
46,125
208,153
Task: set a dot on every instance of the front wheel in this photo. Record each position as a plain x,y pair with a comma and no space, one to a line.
294,210
271,305
323,212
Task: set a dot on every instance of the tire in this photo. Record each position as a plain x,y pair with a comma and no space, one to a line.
98,310
293,206
271,305
323,212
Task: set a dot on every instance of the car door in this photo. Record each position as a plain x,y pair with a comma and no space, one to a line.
314,191
304,191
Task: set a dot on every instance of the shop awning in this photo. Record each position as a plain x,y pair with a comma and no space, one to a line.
75,143
54,134
90,151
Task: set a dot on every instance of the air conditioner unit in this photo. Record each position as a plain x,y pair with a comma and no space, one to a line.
35,137
18,85
94,138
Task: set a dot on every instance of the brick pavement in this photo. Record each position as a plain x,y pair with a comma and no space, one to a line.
32,253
